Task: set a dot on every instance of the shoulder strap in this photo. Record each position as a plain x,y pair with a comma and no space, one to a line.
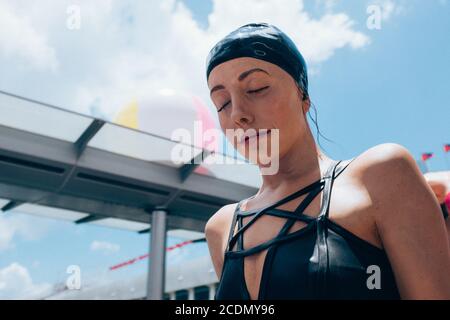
335,169
322,245
233,225
241,236
329,176
341,167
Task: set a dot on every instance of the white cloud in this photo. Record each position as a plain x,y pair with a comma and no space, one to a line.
328,5
16,283
105,247
16,225
6,234
390,8
173,49
19,38
317,39
129,49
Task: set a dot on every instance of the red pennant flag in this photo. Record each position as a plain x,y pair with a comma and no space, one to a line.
447,147
145,256
426,156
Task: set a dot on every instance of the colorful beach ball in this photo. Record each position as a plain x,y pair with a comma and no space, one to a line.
164,112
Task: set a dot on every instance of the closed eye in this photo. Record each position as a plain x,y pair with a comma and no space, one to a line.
258,90
223,106
250,91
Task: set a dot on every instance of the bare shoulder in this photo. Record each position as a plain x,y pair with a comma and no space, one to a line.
389,173
408,220
217,224
391,177
387,166
361,193
216,231
383,159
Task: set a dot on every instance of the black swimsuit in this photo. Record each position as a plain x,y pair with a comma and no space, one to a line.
320,261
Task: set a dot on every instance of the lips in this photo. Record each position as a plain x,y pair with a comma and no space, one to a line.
261,133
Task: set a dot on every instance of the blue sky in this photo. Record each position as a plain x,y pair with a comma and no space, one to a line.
369,87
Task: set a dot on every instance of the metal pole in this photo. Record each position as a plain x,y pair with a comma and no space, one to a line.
212,291
156,272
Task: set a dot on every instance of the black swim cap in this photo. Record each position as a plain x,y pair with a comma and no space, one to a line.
265,42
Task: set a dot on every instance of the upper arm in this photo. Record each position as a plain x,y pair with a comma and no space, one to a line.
410,224
215,234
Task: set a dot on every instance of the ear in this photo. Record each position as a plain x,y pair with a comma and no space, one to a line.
305,101
306,104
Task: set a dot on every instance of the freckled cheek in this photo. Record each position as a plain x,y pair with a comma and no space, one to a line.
286,121
279,114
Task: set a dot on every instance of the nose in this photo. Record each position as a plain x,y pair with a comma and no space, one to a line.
240,113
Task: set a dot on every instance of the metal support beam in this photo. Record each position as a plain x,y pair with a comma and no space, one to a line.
90,218
144,231
87,135
11,205
156,272
59,157
187,169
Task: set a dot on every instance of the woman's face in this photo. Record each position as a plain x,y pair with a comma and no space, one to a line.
254,94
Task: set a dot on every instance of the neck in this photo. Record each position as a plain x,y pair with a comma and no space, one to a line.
303,162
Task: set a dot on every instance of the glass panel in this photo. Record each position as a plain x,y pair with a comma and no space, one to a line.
121,224
185,234
231,169
3,202
140,145
50,212
37,118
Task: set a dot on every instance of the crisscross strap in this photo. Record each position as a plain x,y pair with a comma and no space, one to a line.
281,214
282,233
232,239
308,199
269,243
299,210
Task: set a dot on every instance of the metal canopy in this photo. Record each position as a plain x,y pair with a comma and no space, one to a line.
51,157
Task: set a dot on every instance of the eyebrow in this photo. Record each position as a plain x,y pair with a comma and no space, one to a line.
242,76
